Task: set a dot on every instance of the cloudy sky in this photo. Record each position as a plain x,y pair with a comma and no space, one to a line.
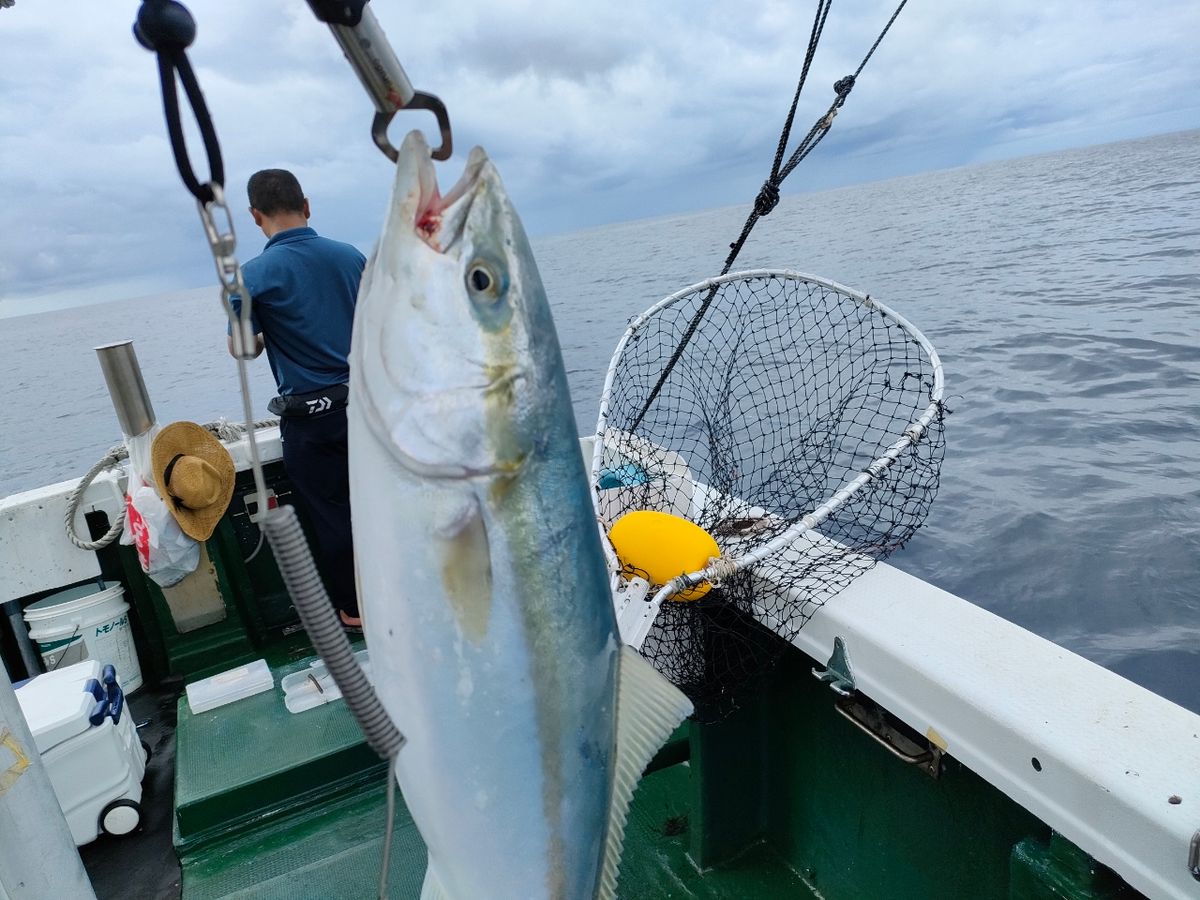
593,112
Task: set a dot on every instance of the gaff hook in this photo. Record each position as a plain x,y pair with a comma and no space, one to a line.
420,100
367,50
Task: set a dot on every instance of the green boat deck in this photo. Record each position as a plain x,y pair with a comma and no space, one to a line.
784,798
252,759
337,853
271,804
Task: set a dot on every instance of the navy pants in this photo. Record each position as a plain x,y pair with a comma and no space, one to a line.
314,454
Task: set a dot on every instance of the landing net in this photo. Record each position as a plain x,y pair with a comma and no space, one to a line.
800,424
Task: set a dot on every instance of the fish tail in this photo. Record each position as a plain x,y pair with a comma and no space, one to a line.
649,708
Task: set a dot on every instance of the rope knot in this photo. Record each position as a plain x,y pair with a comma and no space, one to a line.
721,568
767,199
842,86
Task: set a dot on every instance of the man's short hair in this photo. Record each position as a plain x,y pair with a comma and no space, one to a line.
274,191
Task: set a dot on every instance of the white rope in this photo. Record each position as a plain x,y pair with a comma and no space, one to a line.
111,459
232,431
719,568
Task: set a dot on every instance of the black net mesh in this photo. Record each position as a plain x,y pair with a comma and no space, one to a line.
788,389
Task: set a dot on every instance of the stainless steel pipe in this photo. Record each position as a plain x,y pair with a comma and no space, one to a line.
123,376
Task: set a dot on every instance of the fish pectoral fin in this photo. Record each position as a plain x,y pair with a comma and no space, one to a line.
467,570
432,888
649,708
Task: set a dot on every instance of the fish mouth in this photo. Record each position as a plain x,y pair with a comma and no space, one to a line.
440,218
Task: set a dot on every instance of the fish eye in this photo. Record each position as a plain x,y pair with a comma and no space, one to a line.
480,279
484,282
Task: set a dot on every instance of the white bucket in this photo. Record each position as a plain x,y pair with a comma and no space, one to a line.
86,623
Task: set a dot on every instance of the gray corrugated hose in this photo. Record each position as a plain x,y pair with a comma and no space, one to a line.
325,630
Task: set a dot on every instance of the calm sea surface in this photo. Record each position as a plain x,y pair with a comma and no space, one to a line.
1062,292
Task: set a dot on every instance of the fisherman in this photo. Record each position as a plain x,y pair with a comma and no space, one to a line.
304,288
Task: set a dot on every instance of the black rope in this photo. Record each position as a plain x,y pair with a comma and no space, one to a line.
814,39
338,12
166,28
768,195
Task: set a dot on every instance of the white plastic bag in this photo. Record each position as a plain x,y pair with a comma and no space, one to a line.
165,553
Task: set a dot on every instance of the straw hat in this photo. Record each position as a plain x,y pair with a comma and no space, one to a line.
194,474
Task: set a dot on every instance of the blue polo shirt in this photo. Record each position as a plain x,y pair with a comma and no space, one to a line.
304,288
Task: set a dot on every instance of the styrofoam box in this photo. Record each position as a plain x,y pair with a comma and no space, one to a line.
226,687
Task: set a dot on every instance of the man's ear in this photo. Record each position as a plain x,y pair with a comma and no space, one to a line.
307,211
257,216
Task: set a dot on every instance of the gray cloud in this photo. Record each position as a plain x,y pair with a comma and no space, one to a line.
623,112
501,47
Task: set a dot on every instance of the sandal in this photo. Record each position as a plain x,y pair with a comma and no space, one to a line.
350,624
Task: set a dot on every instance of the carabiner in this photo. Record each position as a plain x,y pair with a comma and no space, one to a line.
420,100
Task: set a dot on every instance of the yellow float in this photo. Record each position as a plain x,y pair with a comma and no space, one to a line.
663,547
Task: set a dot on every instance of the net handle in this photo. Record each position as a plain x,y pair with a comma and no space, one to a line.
874,471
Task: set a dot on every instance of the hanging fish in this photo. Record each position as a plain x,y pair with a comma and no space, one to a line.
484,590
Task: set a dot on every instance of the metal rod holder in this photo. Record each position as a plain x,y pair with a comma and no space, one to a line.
123,376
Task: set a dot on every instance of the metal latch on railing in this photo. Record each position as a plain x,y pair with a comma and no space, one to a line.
871,718
891,734
837,672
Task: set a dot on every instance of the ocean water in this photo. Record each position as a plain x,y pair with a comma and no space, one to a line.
1062,292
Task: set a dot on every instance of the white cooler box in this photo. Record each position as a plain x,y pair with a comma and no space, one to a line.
90,747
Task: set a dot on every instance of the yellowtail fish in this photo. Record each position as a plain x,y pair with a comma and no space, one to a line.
485,596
